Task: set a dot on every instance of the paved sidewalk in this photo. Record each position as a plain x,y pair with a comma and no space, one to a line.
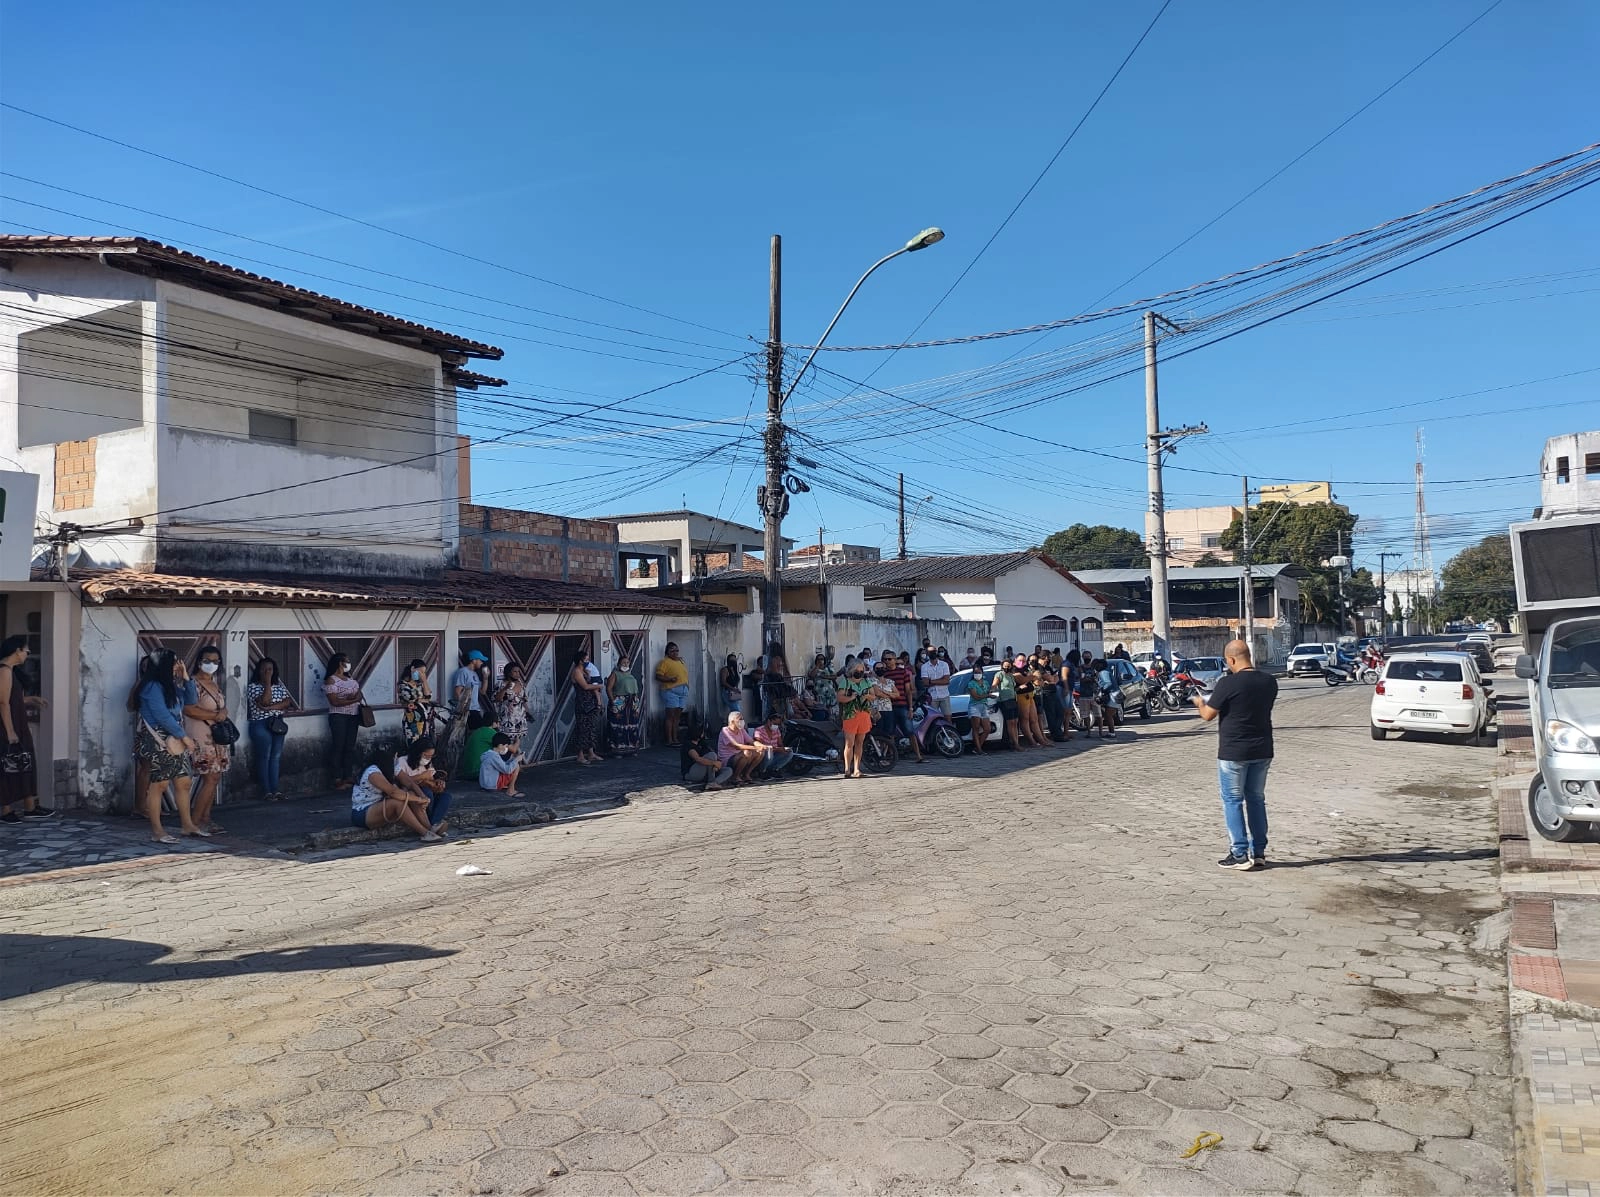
321,822
1553,964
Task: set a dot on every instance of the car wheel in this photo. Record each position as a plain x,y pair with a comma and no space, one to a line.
1546,821
1379,733
1144,711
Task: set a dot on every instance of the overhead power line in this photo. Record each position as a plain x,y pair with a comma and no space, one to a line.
357,220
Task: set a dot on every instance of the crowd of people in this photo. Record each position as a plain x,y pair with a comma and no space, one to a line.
1038,699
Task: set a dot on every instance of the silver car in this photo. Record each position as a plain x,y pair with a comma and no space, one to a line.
1564,709
1208,671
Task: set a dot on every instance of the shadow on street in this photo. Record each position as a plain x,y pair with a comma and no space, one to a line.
35,963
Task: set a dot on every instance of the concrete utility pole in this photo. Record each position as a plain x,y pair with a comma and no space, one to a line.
1383,588
902,517
1245,581
773,497
1158,441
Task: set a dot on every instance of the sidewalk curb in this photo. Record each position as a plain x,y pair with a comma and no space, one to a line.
510,814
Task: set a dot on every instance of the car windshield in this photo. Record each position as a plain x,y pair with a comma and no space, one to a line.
1206,664
1307,650
1424,671
1575,656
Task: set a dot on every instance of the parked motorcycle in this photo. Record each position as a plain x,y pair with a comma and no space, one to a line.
811,747
1174,692
1339,672
936,733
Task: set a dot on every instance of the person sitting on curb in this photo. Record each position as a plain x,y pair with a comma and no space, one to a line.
770,736
414,772
697,763
376,803
498,770
737,750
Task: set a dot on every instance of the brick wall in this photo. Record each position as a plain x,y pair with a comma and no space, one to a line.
533,544
74,475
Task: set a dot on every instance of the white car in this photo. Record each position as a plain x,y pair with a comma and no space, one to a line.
1431,692
1309,658
1208,671
1485,637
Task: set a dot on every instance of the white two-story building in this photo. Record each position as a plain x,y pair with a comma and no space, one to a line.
228,459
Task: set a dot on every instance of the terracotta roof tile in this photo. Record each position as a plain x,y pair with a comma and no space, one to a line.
456,589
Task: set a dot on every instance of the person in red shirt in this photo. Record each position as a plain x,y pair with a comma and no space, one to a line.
899,673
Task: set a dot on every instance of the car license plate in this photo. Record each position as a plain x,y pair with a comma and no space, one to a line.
1424,714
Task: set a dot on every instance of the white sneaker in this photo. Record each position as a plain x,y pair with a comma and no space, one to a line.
431,838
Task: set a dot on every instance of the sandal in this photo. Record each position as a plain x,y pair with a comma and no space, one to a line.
163,839
199,832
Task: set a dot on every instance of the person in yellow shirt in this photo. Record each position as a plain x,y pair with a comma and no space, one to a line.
672,678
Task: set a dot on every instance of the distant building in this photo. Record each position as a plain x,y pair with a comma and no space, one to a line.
835,554
1569,475
1407,586
678,546
1192,532
1300,493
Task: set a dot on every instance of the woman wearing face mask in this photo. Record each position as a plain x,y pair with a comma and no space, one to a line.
164,742
415,700
376,802
622,693
344,719
511,701
414,773
586,700
855,707
209,760
266,699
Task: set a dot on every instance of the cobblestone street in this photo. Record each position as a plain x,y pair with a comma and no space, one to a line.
1014,974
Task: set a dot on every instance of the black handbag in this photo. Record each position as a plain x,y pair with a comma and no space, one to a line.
225,732
16,759
277,725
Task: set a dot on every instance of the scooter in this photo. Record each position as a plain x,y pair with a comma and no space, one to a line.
936,733
811,747
1340,672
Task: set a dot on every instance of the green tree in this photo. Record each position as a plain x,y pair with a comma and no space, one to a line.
1479,583
1208,561
1100,546
1306,535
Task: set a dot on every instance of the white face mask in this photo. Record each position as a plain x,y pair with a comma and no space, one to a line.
208,666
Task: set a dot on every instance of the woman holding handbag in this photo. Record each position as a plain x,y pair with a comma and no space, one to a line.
266,699
201,720
164,742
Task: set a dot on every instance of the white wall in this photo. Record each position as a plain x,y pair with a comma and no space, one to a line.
108,661
164,376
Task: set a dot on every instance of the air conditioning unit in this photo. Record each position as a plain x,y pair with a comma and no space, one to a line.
836,558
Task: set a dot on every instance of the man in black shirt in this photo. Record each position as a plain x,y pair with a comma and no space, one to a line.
1243,701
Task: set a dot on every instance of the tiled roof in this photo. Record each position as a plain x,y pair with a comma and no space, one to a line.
1189,573
890,575
142,255
456,590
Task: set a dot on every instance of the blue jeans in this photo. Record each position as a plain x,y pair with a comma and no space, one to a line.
266,751
1244,804
777,760
439,807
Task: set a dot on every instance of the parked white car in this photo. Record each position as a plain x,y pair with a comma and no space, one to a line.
1309,658
1208,671
1431,692
1564,709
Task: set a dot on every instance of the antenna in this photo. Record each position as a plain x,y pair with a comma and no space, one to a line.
1421,545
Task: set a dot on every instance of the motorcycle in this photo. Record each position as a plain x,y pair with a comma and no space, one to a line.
936,733
811,747
1173,692
1340,671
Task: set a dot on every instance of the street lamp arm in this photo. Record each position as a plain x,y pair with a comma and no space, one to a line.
804,366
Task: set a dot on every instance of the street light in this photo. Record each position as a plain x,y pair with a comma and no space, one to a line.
773,496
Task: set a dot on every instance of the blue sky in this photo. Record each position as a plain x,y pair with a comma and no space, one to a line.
647,152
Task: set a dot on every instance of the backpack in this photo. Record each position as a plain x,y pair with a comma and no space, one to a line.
1089,685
